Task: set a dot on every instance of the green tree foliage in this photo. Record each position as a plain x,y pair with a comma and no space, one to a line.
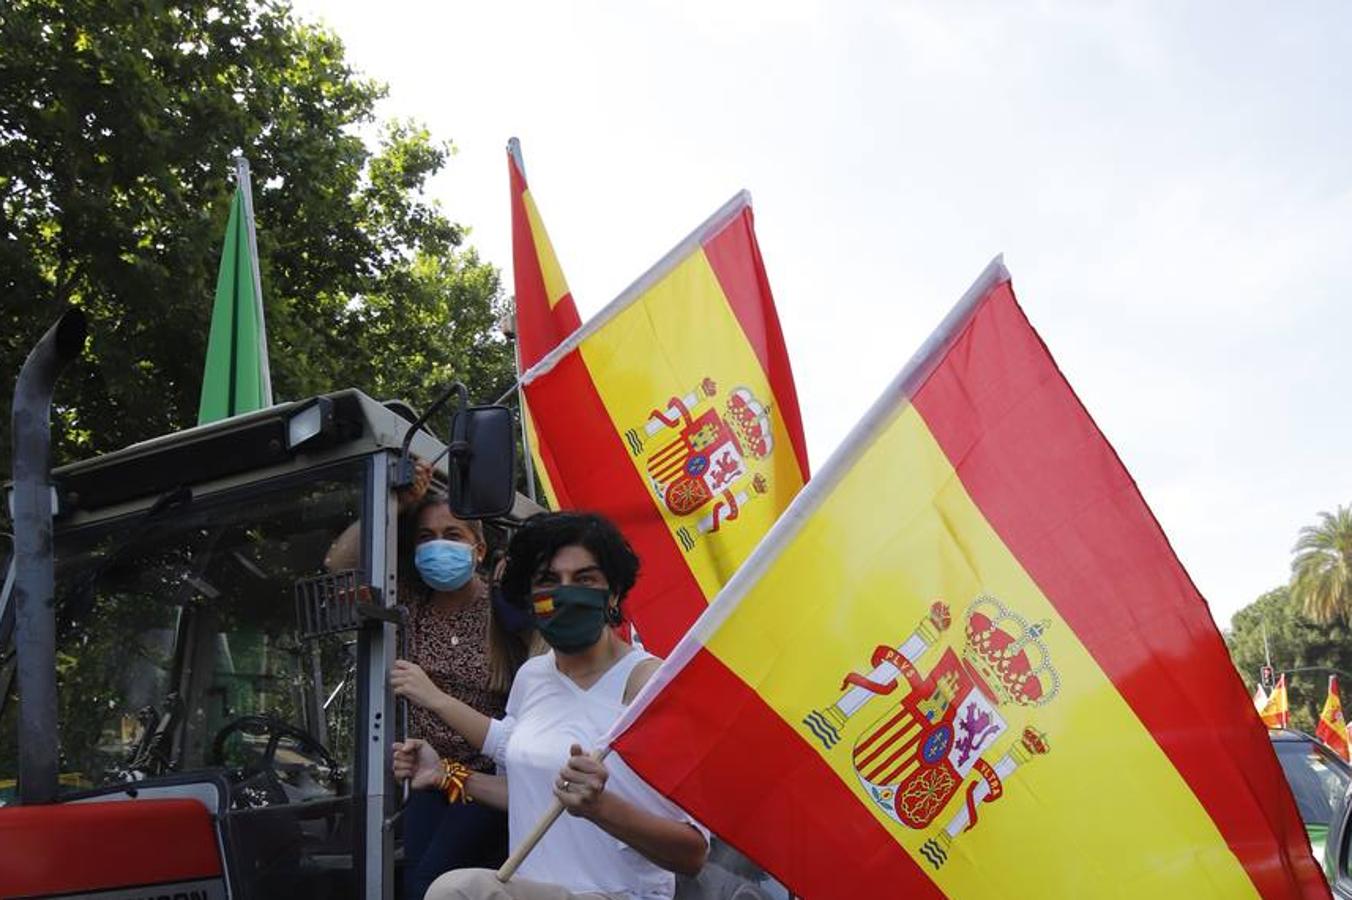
118,123
1321,572
1296,642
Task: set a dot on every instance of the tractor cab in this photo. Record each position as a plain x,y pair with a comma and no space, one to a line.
212,676
193,703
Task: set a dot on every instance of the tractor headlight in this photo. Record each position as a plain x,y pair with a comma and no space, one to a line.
314,419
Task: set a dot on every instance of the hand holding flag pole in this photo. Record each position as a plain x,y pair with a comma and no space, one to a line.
541,829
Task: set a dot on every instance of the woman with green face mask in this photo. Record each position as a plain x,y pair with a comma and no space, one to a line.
571,571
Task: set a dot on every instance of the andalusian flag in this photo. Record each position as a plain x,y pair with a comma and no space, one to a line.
1276,711
672,411
1332,728
967,663
236,378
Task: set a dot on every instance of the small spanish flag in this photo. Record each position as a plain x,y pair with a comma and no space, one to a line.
1276,711
1332,729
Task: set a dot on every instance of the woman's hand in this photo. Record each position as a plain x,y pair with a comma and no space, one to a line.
410,681
416,760
581,784
422,479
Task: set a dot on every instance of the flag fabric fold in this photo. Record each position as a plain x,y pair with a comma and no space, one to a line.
1332,727
672,411
236,377
966,662
1276,712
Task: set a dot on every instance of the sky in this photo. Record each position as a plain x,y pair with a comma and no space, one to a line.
1170,184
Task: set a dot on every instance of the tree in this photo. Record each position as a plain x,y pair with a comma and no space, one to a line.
1321,572
118,123
1296,642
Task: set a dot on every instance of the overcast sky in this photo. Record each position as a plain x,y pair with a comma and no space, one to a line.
1170,183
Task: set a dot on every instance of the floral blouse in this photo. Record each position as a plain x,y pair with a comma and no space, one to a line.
452,648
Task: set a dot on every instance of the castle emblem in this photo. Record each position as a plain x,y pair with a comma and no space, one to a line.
946,742
702,456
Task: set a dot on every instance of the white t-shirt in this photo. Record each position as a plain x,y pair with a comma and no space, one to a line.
546,713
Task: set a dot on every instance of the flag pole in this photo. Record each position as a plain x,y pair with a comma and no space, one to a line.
541,827
521,407
244,182
514,151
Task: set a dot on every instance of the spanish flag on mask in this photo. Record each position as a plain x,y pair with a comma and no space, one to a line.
672,411
966,663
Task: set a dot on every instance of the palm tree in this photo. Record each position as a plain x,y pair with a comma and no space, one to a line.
1321,572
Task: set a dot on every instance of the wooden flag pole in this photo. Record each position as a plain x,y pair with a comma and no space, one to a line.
546,822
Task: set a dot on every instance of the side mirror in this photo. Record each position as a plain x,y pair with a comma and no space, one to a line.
481,457
482,462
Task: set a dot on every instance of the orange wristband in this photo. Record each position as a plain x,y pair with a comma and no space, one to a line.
454,775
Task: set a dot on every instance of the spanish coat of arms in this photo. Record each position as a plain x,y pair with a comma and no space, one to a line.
945,741
703,456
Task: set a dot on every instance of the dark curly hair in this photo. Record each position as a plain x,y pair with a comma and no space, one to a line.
545,534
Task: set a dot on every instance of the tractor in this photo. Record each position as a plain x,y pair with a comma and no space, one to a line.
203,710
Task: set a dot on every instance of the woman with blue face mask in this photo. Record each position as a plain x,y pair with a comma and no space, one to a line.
458,643
622,840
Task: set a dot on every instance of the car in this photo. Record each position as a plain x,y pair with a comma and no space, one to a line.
1319,781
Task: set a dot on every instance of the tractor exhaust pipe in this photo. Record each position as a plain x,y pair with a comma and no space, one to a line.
34,581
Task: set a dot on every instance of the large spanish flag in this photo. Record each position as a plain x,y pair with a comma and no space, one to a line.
967,663
672,411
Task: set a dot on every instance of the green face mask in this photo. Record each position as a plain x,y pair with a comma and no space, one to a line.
571,617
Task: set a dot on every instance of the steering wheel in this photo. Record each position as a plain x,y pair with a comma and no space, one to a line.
257,783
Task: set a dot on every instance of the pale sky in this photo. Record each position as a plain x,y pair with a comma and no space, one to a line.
1170,183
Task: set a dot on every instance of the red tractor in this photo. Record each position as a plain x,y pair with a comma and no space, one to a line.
202,709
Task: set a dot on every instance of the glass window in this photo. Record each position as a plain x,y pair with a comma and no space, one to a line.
1317,780
177,646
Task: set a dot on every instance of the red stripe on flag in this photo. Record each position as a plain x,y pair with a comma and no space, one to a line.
591,459
735,257
1050,485
711,745
538,327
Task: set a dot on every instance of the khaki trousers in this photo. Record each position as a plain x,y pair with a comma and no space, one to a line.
483,884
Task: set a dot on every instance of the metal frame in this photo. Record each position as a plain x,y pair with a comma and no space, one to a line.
373,787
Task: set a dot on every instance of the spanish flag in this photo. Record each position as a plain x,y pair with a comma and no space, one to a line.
672,411
967,663
1276,711
545,312
1332,728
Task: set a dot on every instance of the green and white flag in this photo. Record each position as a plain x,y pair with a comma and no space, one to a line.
236,378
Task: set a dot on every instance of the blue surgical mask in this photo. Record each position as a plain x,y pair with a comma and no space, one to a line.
444,565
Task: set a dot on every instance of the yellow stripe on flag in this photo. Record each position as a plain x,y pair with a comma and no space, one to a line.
540,469
681,340
555,285
1102,792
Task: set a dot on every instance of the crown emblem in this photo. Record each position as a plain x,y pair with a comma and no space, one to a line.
750,421
1008,655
